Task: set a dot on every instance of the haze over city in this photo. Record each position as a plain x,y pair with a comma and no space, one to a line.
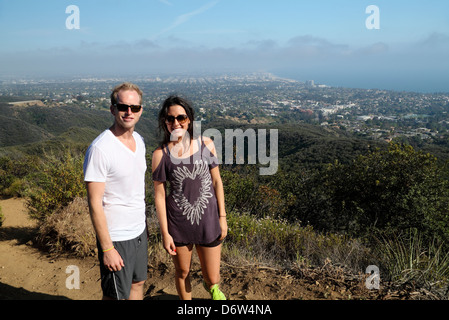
331,42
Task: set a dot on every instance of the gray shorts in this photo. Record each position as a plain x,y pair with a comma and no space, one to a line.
134,252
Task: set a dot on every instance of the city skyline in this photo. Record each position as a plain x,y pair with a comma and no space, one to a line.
327,41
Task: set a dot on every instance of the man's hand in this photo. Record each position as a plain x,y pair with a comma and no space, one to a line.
113,261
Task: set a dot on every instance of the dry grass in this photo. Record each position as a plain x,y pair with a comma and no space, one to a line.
278,243
69,230
333,261
268,242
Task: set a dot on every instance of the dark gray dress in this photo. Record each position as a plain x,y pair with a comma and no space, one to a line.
191,204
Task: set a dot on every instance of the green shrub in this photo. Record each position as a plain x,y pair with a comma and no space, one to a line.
58,179
394,189
13,175
407,258
244,194
283,243
239,190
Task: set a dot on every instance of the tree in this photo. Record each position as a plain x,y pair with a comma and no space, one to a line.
393,190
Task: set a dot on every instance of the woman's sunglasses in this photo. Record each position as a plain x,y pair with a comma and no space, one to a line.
124,107
182,118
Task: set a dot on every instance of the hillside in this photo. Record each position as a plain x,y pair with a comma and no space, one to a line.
15,131
338,201
315,146
35,128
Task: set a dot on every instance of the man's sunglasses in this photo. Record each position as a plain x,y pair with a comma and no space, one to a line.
182,118
124,107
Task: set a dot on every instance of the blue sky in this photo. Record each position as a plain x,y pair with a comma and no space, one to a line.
324,40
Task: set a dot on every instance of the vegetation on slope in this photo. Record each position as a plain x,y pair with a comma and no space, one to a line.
335,197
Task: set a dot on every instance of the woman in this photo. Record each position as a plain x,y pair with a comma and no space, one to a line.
193,213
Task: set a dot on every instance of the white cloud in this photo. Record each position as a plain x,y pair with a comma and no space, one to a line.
166,2
435,40
412,65
186,17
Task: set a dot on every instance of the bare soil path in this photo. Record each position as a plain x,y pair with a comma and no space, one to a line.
28,273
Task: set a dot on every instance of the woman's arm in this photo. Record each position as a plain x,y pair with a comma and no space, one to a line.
219,193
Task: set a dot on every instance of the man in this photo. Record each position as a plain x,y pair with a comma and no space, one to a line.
114,172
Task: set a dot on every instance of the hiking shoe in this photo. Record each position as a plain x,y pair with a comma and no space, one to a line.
215,292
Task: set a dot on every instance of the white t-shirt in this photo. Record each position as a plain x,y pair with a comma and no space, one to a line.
108,160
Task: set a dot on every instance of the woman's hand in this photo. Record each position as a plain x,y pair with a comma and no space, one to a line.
169,244
224,227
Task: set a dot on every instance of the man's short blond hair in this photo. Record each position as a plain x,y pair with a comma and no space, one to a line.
125,86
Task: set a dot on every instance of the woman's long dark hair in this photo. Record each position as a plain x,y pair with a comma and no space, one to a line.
174,100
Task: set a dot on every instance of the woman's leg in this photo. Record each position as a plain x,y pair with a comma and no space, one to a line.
182,261
210,264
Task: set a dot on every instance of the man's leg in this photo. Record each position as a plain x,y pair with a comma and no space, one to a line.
140,267
136,292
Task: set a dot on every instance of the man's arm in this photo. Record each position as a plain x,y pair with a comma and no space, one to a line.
161,211
159,199
112,259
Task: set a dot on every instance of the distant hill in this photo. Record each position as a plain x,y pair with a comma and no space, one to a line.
305,145
15,131
33,128
313,146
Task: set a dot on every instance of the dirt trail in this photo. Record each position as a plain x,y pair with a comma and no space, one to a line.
28,273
